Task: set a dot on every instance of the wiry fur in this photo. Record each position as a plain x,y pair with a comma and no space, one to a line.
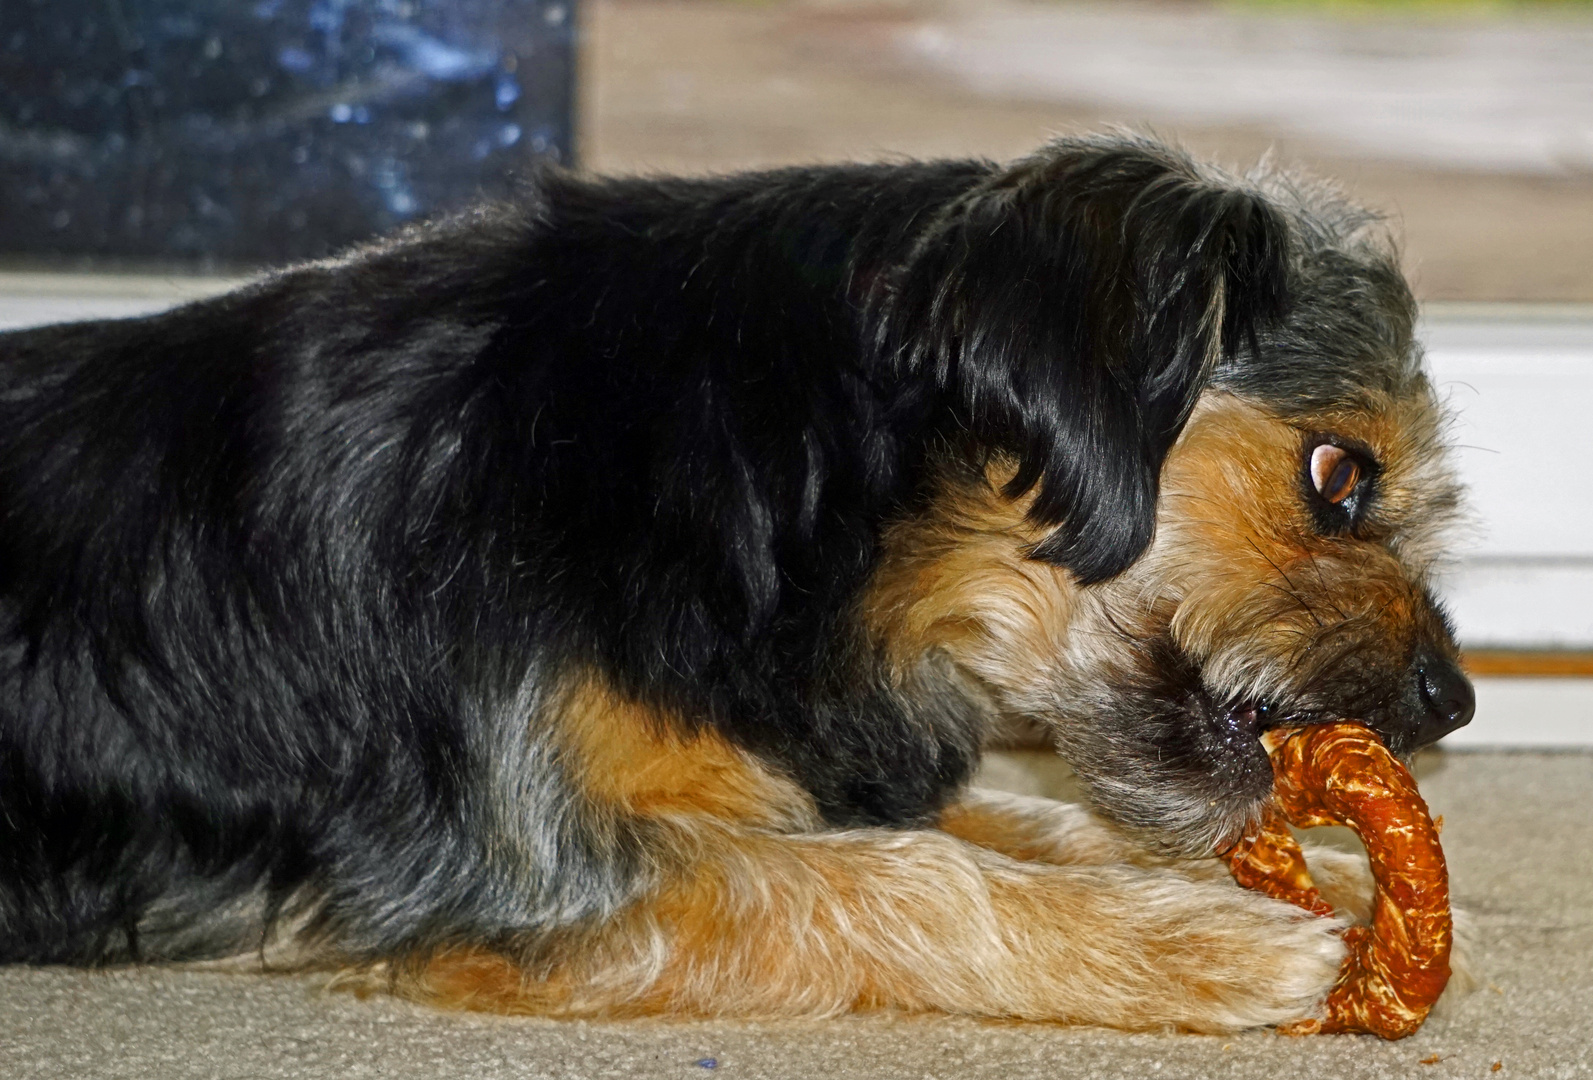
597,604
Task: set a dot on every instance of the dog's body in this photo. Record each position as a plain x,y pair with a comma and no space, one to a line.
598,605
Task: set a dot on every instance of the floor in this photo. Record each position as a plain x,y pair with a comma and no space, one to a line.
1519,838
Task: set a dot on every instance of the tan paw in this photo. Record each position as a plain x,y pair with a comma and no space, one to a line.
1158,949
1261,962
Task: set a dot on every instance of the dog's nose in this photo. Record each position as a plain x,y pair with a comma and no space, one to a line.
1446,695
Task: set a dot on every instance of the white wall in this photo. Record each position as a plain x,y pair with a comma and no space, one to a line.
1521,384
37,299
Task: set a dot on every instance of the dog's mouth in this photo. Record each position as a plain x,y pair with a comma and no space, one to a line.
1185,763
1271,724
1261,719
1255,714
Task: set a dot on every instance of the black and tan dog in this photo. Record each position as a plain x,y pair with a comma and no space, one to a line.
597,605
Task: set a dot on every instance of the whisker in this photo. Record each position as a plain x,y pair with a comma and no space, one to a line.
1320,580
1292,595
1292,590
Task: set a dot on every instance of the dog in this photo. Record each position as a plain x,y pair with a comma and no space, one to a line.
597,604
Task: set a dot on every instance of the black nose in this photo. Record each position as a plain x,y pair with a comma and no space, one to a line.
1446,696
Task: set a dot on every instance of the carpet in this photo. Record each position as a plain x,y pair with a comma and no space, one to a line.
1518,834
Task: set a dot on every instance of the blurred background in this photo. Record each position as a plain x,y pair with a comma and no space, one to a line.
1471,125
152,150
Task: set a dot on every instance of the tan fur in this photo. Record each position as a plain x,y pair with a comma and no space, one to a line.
957,580
1030,830
760,924
644,763
1062,834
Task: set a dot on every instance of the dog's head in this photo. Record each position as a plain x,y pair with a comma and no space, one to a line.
1220,515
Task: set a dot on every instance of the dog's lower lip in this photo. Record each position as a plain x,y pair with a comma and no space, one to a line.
1275,731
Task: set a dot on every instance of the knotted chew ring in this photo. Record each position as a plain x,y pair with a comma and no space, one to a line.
1341,774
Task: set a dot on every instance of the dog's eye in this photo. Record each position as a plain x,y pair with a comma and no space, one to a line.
1339,482
1334,472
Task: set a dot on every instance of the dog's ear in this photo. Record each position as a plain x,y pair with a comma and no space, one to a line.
1073,307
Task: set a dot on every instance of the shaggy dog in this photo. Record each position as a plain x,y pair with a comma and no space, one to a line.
597,605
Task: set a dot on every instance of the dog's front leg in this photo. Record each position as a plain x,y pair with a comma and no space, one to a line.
751,922
1033,829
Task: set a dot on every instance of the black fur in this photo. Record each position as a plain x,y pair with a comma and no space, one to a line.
1103,278
286,575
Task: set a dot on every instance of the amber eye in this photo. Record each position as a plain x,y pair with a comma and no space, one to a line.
1334,472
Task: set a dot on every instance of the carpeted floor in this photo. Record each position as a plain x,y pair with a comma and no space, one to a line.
1518,833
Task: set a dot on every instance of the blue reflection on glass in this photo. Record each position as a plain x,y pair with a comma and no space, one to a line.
268,129
430,56
295,59
507,91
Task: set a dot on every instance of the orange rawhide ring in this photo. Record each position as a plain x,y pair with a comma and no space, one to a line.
1341,774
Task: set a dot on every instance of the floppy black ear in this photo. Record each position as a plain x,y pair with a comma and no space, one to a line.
1073,307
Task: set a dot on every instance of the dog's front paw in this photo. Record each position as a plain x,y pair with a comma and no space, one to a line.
1160,950
1255,962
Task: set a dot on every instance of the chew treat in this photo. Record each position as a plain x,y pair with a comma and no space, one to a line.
1268,860
1341,774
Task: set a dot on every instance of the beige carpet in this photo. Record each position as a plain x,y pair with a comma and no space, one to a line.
1518,832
